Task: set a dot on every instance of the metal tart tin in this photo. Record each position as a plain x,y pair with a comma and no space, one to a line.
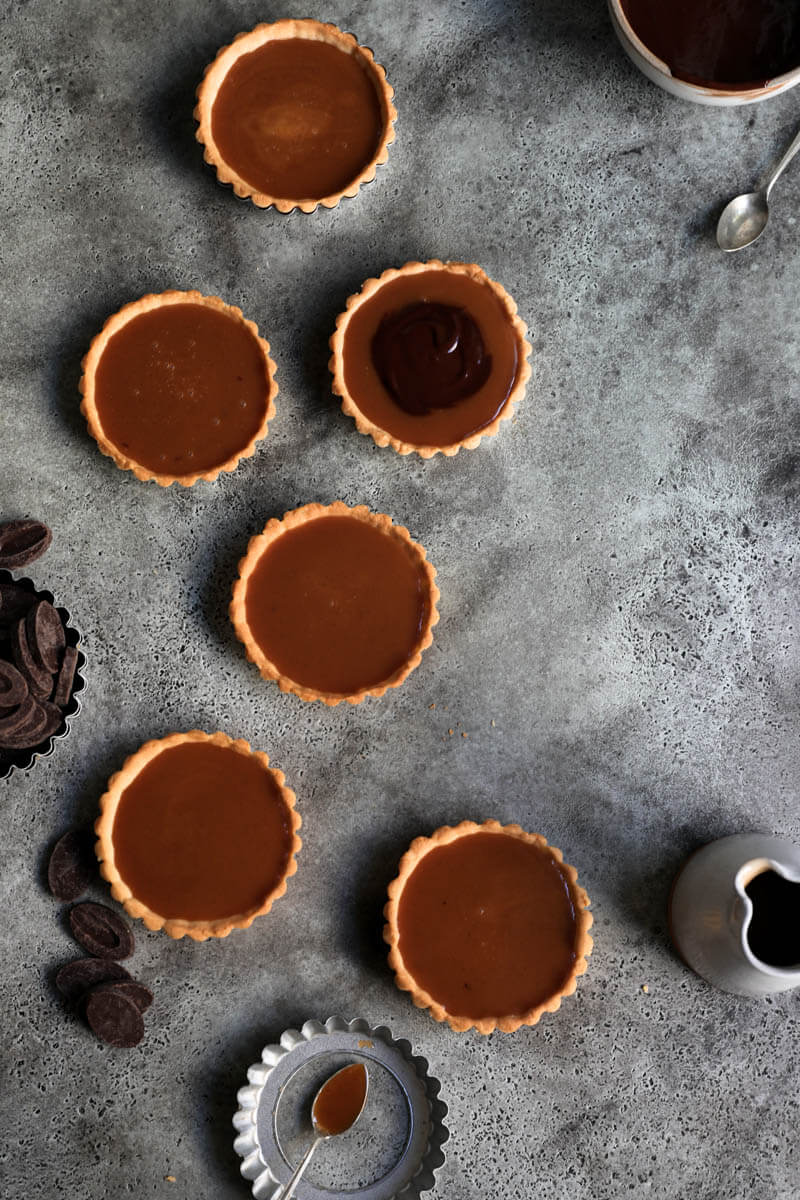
23,760
393,1150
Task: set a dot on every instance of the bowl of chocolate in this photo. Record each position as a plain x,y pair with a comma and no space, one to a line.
713,51
40,659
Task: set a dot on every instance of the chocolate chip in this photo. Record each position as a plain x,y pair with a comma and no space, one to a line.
100,931
25,726
13,686
76,977
39,680
141,996
72,866
45,634
22,542
66,677
14,603
114,1017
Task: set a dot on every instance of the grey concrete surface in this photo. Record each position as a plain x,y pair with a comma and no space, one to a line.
619,576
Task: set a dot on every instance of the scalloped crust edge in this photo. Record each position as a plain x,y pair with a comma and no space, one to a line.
199,931
92,358
291,520
405,981
214,76
381,436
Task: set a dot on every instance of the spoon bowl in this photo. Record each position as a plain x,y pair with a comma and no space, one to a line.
743,220
340,1101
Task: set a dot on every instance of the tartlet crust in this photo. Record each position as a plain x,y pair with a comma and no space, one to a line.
245,43
92,359
369,289
422,999
176,927
291,520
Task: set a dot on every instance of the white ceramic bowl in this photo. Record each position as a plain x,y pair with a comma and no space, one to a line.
658,71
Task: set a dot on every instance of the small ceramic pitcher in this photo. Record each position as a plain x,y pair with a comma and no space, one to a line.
716,926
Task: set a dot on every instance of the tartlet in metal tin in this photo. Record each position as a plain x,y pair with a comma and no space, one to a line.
580,923
273,33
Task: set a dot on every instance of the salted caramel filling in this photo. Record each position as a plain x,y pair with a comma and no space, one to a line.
487,926
338,605
297,119
431,357
181,388
202,833
339,1101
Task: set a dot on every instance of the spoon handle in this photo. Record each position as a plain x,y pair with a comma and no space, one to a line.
288,1190
787,158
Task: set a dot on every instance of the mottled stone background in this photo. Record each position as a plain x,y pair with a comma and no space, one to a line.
619,576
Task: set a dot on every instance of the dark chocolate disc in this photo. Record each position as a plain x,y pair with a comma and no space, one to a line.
39,680
141,996
114,1017
27,731
13,686
11,722
55,719
100,931
21,542
66,677
45,633
73,865
76,977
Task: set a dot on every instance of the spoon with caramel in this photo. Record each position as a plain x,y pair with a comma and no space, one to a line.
337,1106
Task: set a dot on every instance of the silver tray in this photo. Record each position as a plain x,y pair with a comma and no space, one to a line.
395,1148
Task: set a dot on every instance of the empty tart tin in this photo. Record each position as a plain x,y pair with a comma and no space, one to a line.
395,1147
23,760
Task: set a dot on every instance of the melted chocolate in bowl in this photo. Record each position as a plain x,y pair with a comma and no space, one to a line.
338,605
487,926
202,833
339,1102
297,119
181,388
735,44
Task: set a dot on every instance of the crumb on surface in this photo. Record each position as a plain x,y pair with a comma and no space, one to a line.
432,705
465,735
493,722
450,732
170,1179
645,989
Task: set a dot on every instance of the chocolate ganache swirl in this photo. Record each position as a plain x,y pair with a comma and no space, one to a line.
430,355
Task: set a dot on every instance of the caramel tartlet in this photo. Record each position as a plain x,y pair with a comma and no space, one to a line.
197,835
430,357
335,603
178,387
295,114
487,926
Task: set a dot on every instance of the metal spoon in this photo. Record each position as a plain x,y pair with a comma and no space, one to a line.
745,218
360,1079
